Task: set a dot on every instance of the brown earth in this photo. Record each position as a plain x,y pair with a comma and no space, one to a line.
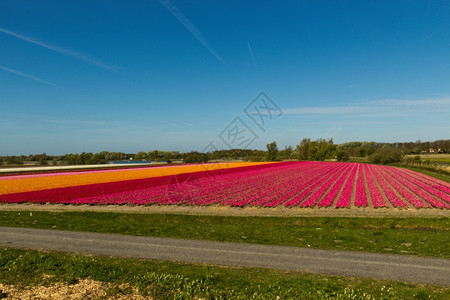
235,211
84,289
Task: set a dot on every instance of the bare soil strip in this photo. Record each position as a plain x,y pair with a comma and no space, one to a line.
216,210
84,289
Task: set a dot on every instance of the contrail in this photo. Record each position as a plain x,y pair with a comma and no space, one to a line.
189,26
251,53
58,49
27,76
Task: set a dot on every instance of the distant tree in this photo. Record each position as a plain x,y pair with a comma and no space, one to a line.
140,155
195,157
154,155
287,152
342,155
82,158
312,151
272,151
14,160
303,149
386,155
362,152
325,149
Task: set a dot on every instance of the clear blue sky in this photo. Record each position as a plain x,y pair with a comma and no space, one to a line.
172,75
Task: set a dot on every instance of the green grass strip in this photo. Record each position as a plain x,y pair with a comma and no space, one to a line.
411,236
169,280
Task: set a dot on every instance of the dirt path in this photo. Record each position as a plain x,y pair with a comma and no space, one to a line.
235,211
347,263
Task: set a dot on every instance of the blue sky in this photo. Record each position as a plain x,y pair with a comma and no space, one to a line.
174,75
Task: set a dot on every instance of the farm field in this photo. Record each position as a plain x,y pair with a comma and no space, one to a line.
265,185
382,200
444,158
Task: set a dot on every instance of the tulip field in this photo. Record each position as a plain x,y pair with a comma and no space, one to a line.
288,184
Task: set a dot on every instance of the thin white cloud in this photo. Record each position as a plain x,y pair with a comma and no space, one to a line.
376,108
328,110
408,103
251,54
192,29
27,76
64,51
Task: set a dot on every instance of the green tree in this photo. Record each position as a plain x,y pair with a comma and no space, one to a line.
154,155
342,155
303,149
287,152
386,155
195,157
140,155
325,149
272,151
312,151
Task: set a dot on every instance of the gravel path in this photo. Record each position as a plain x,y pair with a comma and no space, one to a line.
384,266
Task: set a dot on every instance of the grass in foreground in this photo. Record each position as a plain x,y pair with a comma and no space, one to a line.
169,280
413,236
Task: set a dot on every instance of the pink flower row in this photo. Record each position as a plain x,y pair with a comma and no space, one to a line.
296,184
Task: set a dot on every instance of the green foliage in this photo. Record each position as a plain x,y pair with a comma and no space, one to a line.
287,153
272,151
195,157
303,149
140,155
342,156
170,280
14,160
318,150
386,155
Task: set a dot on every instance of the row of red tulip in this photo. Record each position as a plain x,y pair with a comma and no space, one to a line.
294,184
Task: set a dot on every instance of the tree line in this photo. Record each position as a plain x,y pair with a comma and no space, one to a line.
379,153
307,149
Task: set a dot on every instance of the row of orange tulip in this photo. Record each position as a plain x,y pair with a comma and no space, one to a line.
20,184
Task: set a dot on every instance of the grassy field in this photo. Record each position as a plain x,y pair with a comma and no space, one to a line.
443,159
169,280
433,157
413,236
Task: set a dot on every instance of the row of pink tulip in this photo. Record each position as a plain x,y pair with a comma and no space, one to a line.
410,190
264,192
375,193
402,190
329,192
312,192
422,189
296,184
391,196
347,191
436,183
303,183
